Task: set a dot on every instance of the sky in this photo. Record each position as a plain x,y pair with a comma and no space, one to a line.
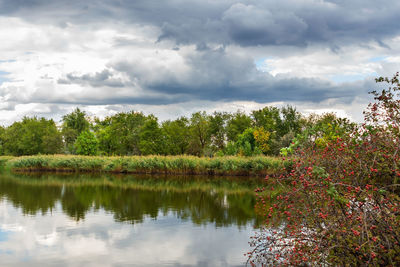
175,57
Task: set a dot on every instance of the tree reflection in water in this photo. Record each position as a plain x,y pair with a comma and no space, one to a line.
203,200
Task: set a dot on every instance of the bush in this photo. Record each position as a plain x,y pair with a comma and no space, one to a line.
342,200
86,144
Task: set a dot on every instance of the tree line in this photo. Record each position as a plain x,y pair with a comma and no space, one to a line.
264,131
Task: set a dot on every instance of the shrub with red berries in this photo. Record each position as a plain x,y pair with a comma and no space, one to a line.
341,199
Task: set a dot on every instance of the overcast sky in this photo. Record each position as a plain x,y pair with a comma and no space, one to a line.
174,57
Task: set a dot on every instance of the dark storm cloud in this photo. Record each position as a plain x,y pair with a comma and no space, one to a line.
215,75
268,89
246,23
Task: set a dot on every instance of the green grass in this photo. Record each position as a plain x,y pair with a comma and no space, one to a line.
247,166
5,159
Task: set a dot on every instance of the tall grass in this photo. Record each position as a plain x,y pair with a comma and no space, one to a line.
4,160
260,165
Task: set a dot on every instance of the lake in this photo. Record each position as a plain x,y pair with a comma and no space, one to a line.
126,220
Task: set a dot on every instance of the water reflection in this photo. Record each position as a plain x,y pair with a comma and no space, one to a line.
130,220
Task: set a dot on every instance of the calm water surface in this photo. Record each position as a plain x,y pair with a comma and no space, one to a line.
72,220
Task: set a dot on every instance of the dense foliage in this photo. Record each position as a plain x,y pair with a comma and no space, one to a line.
31,136
73,125
342,200
264,131
86,144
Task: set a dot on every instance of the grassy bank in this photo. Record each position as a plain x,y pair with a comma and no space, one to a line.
149,164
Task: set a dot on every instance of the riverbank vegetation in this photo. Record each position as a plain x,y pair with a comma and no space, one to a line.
342,203
263,132
229,165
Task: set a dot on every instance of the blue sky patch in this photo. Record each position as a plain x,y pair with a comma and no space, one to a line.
377,59
261,65
2,76
351,77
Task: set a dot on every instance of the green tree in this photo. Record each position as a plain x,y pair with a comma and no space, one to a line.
51,137
230,149
269,118
32,136
320,130
108,140
2,136
246,143
200,133
151,137
176,136
218,129
119,134
292,121
282,124
236,125
86,144
73,124
327,127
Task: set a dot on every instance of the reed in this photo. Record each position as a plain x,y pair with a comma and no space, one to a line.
247,166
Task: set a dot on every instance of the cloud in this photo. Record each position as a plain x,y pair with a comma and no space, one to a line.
146,54
103,78
246,23
250,25
222,76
